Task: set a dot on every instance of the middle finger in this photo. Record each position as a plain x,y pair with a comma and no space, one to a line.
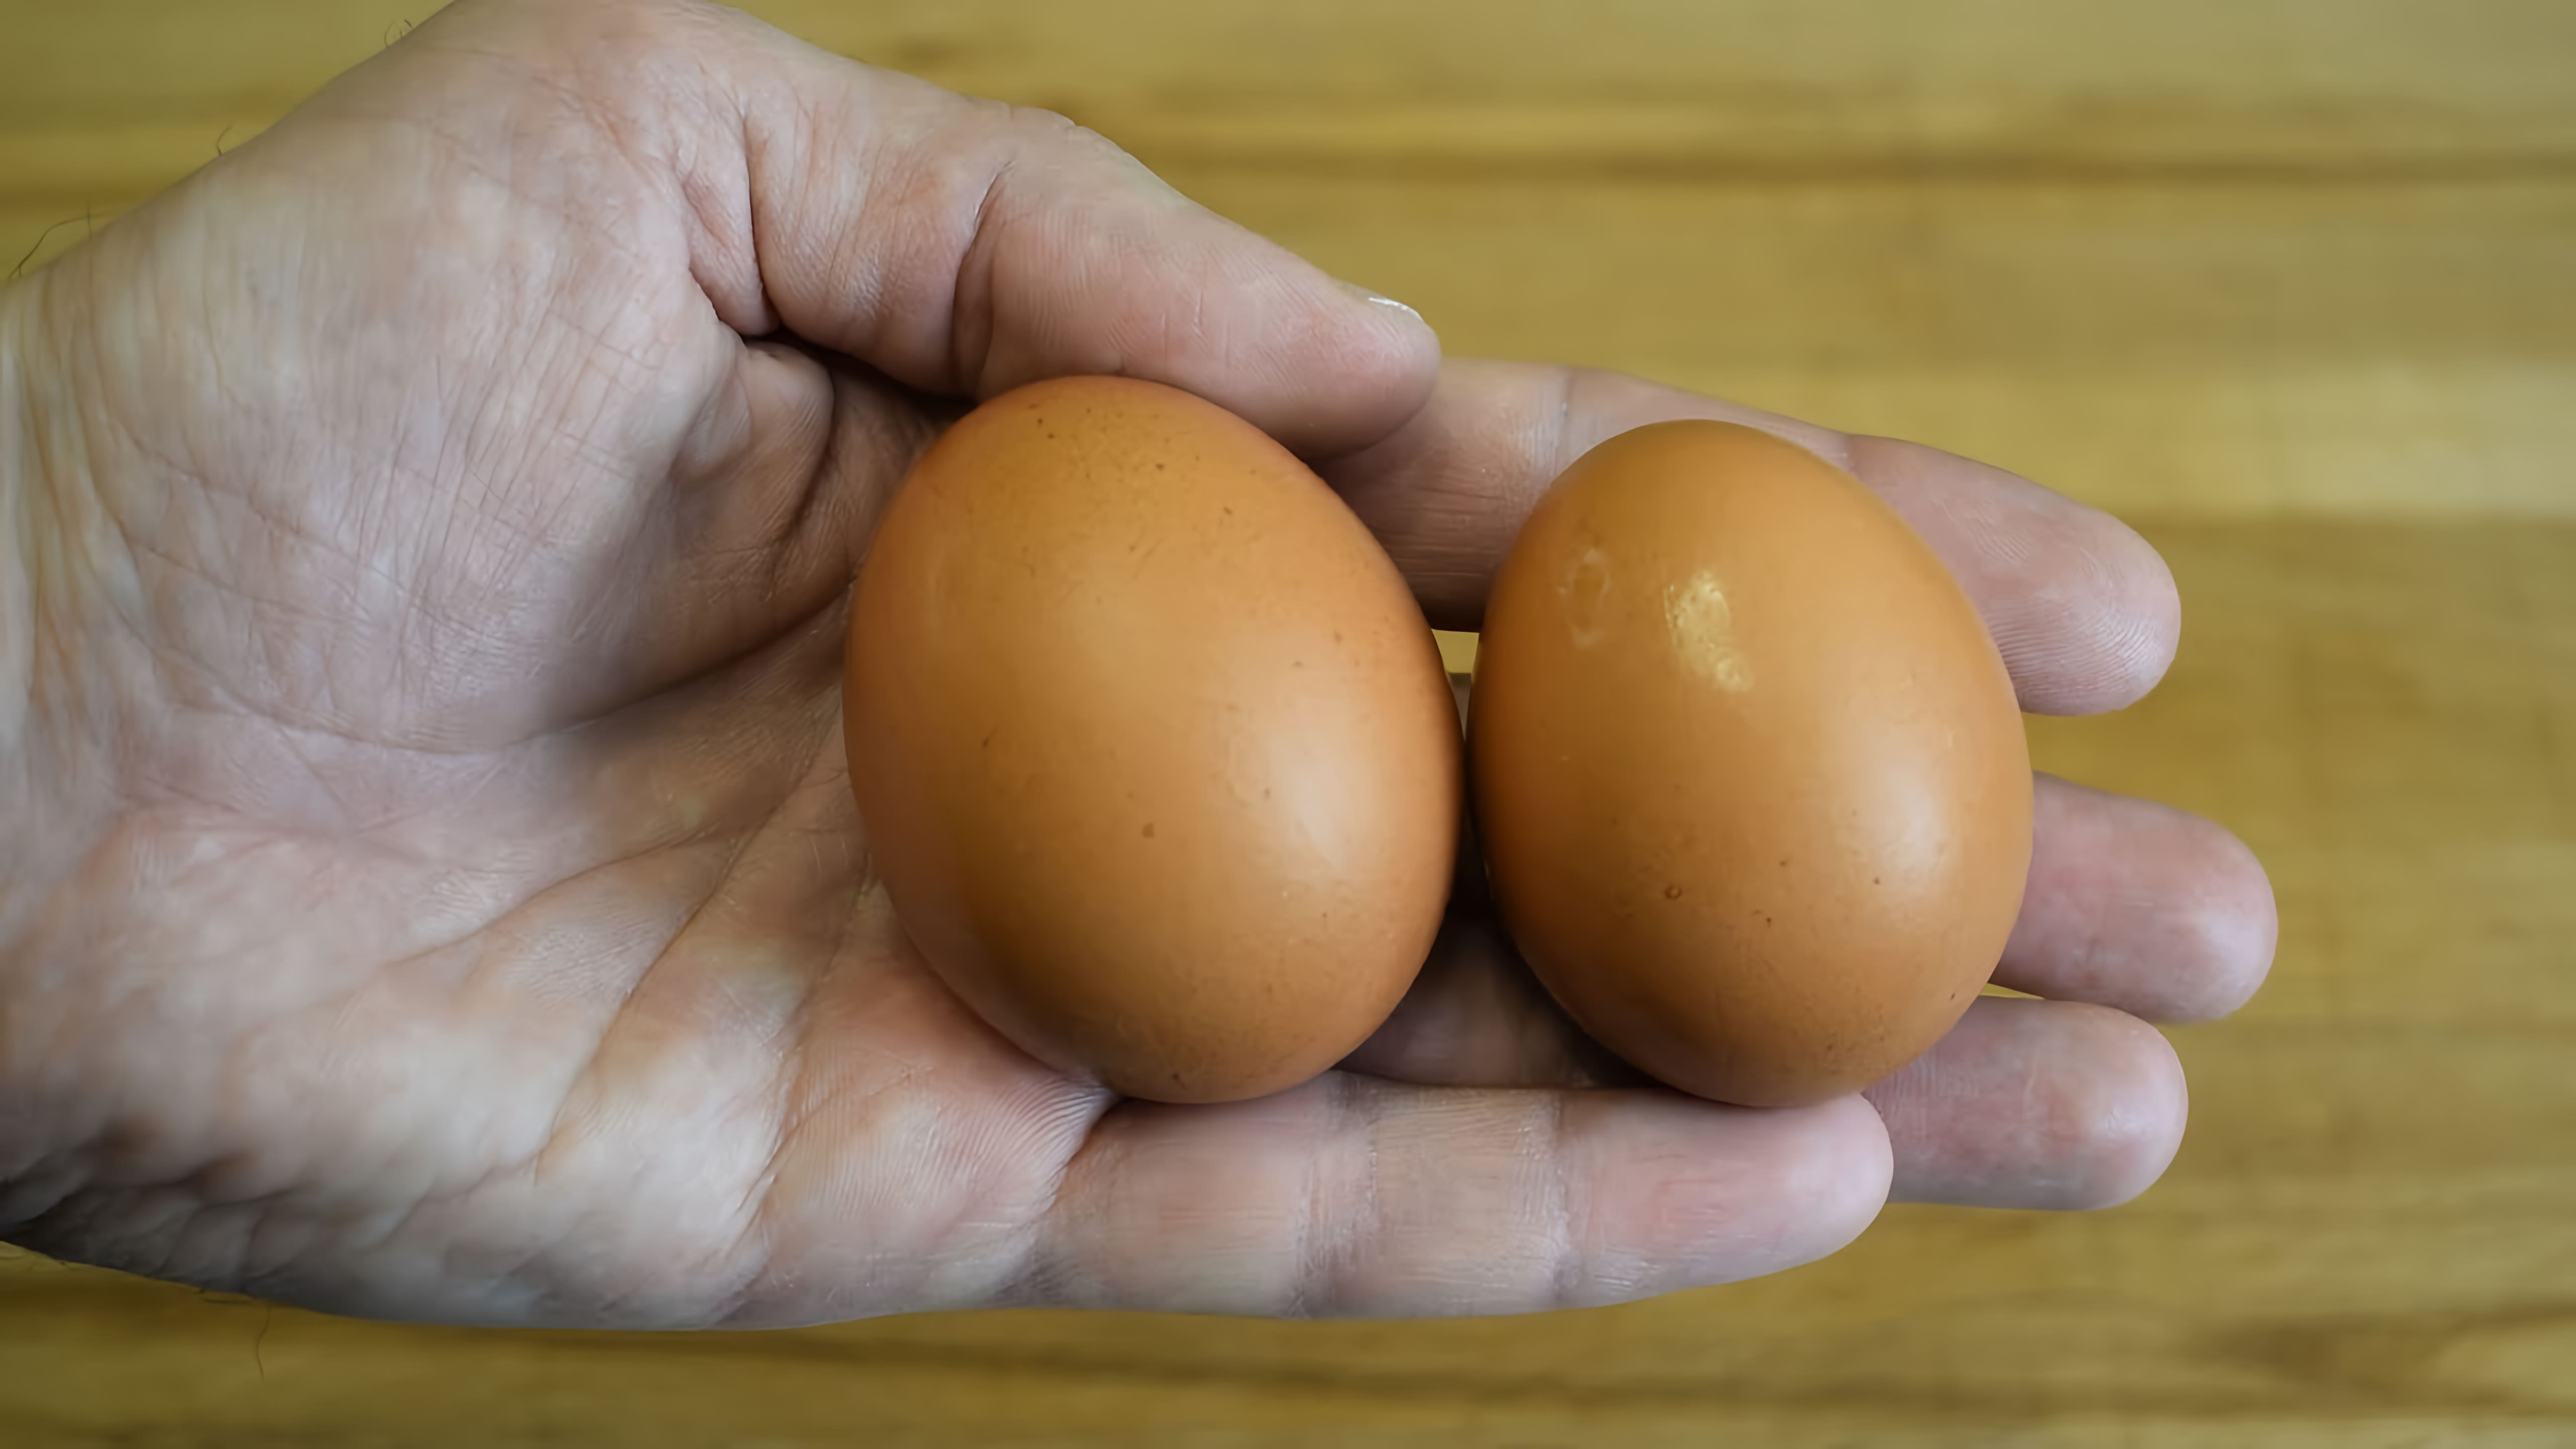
2082,609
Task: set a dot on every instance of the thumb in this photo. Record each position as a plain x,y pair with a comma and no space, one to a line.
965,246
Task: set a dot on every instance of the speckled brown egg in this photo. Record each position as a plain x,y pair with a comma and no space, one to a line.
1752,785
1153,747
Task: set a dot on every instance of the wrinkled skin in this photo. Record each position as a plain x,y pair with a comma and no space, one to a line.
428,884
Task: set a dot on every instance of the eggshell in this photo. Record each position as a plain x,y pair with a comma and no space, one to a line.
1752,786
1154,749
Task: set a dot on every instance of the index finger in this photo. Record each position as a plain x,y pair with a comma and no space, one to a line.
2083,610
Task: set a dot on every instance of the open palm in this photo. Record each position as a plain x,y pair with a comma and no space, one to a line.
435,891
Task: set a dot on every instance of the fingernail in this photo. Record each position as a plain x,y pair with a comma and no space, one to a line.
1378,298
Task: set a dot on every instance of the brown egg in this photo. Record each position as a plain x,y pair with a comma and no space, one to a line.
1752,785
1154,749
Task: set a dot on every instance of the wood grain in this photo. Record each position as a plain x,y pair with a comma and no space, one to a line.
2286,281
2216,256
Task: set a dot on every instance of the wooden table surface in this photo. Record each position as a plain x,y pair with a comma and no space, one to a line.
2291,283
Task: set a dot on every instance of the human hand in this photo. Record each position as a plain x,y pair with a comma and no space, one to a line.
430,886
